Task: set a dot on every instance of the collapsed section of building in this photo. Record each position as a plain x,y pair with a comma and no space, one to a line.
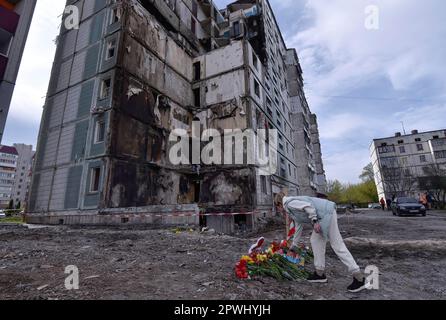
137,73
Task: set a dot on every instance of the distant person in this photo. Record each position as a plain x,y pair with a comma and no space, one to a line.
429,201
383,204
389,204
423,199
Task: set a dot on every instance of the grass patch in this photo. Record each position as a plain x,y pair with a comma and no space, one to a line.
12,220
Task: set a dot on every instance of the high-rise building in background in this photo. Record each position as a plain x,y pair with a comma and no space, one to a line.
134,72
399,161
23,175
8,165
15,21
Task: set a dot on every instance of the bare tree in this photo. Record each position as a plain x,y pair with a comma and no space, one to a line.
434,182
399,181
367,173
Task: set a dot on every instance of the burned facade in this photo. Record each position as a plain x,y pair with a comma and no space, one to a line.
136,72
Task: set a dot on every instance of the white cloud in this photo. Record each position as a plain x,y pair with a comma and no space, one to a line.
338,54
339,126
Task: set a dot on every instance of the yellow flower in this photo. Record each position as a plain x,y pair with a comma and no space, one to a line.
262,257
248,259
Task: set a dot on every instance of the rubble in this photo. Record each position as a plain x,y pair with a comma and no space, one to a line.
161,264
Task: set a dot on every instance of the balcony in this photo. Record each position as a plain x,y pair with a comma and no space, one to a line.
438,144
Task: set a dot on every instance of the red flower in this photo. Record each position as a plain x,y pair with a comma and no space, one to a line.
241,270
284,244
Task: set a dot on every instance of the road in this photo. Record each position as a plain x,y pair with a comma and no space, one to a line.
143,263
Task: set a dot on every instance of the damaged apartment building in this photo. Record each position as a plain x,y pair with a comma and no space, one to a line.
135,71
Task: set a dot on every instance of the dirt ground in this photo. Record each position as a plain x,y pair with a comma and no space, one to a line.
142,263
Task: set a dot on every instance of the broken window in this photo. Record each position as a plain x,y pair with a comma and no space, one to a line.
197,98
236,27
420,147
105,89
197,71
193,26
95,178
99,134
115,16
256,88
263,185
423,158
111,47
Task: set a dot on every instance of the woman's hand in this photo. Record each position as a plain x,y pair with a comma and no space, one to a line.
317,228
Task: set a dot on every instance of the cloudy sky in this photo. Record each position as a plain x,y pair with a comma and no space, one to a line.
361,83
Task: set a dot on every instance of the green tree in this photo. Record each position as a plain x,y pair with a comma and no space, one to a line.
335,190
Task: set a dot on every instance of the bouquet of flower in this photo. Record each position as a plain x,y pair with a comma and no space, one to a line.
277,261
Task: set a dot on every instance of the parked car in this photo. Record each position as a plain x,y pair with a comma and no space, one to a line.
343,208
407,206
374,206
2,214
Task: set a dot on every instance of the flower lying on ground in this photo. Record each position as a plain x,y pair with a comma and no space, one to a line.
277,261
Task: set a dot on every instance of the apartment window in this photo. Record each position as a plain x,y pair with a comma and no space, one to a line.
386,149
418,140
263,185
402,149
116,16
270,112
420,147
111,48
400,141
197,98
440,154
423,159
95,178
99,134
436,137
197,71
105,89
236,27
256,88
